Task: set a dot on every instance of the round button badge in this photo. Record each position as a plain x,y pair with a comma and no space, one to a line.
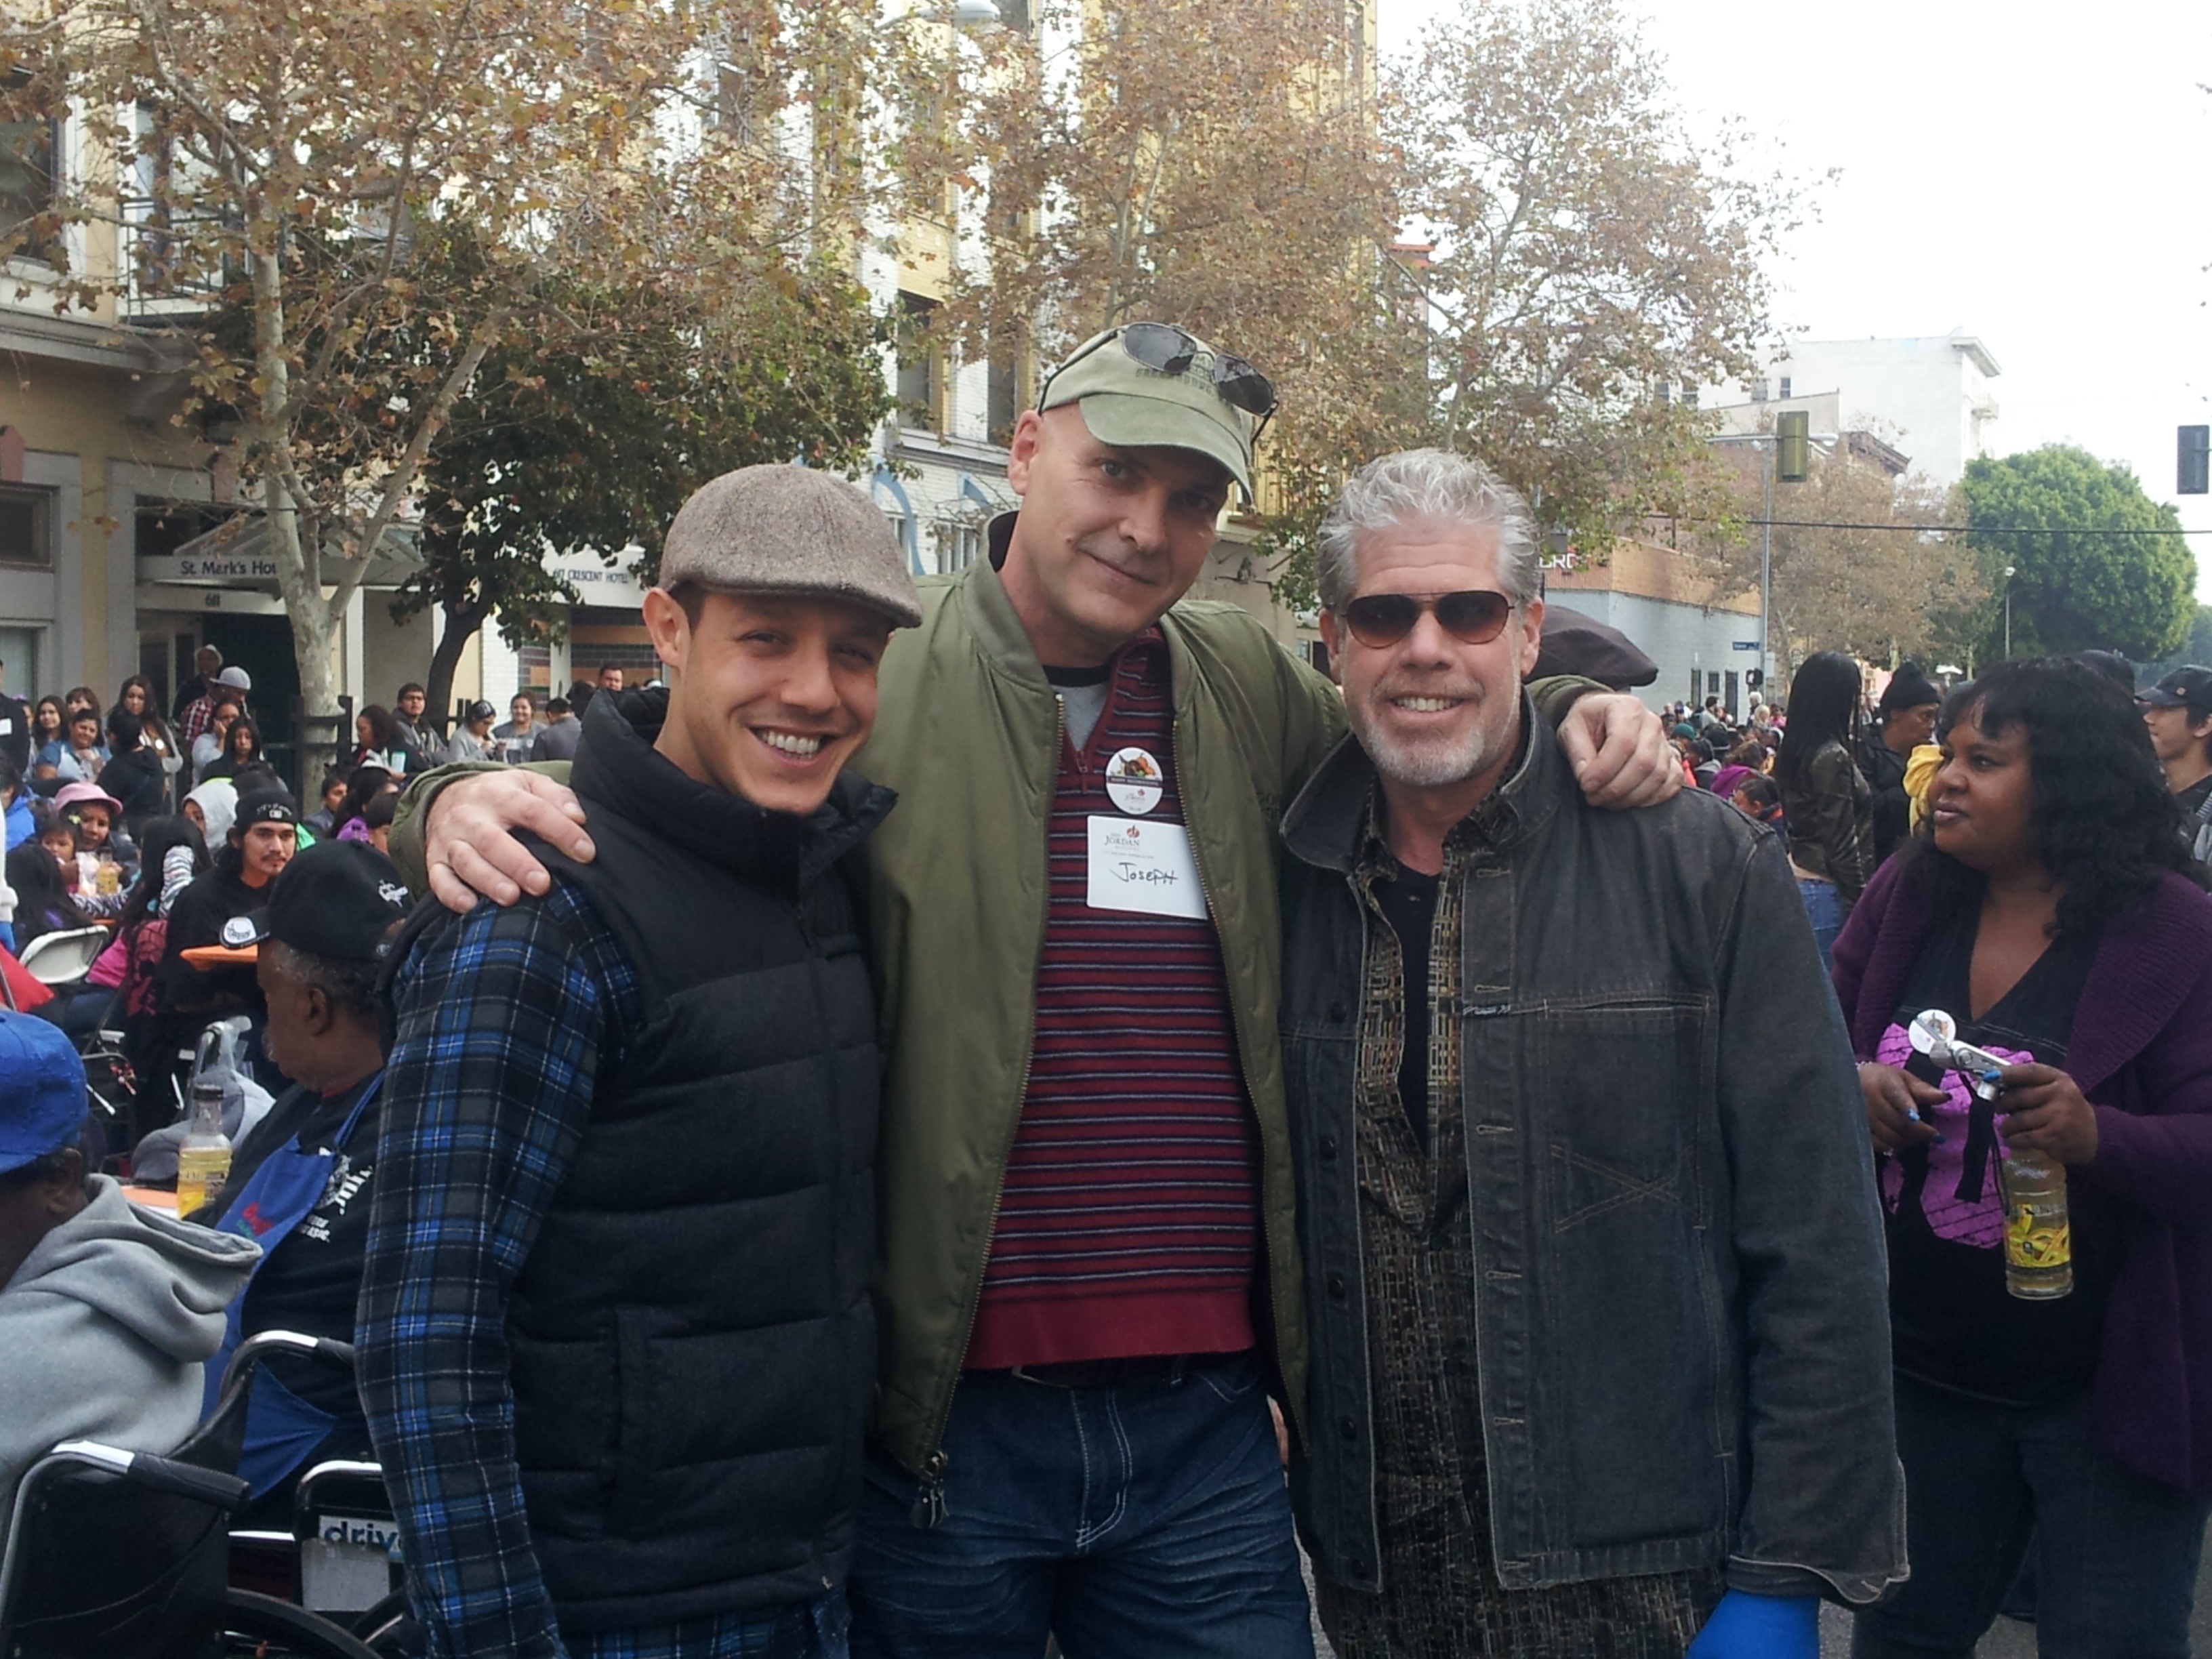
1134,781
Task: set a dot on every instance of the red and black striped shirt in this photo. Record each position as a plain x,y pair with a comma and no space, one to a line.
1129,1221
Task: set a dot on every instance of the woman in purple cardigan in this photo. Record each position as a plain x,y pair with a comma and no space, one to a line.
2048,915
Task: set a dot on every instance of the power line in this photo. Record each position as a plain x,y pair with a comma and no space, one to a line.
1953,529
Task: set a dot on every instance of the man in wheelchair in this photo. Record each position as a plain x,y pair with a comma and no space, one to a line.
108,1312
299,1184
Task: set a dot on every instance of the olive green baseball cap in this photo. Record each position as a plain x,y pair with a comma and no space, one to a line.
1131,406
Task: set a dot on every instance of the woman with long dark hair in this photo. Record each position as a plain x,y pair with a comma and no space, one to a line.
172,854
138,699
379,740
133,775
1828,804
43,904
241,749
2045,912
48,724
363,785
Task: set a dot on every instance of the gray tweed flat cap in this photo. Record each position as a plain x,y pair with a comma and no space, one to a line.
790,530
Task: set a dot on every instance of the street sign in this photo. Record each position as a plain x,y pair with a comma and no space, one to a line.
1746,645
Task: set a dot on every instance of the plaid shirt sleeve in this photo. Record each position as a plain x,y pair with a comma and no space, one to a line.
505,1020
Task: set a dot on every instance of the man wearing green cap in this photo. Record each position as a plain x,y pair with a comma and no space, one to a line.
1087,1283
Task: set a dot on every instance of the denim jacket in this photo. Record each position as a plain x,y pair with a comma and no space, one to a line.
1682,1330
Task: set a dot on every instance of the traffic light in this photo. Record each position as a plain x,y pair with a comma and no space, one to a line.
1793,455
1753,678
2193,465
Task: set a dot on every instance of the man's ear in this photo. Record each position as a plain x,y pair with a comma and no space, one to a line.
1332,636
668,628
1532,636
1021,449
317,1013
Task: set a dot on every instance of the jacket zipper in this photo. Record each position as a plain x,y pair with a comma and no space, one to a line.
929,1506
1372,1507
1296,1407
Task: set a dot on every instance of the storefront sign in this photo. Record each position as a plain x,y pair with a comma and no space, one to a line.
596,584
219,567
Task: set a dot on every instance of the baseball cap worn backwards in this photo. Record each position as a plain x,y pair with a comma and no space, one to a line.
42,1099
788,530
1186,405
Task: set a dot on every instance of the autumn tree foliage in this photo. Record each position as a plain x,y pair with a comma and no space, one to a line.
337,214
1576,248
1856,567
1588,251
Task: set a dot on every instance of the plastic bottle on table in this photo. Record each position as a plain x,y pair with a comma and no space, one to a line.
204,1156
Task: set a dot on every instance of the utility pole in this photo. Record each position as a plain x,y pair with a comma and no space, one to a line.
2008,570
1790,444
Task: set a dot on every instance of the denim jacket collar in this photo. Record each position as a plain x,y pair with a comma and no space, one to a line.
1325,825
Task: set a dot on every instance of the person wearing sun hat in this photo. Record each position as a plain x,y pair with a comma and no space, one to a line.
108,1312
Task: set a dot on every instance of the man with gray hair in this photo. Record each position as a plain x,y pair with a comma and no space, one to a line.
1593,1260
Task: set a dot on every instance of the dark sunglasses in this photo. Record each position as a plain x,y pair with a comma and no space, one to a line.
1473,616
1168,350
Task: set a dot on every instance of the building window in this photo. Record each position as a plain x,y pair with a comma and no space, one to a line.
1005,396
917,362
30,150
1785,388
959,544
1758,390
27,528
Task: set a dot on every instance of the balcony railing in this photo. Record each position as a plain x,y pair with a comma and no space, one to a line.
164,264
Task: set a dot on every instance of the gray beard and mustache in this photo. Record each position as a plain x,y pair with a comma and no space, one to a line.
1437,761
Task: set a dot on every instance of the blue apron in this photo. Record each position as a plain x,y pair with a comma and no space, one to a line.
282,1429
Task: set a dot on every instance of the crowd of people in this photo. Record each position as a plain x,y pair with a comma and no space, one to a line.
110,816
995,1111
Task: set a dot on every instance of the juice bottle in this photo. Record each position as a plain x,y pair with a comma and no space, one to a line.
2039,1243
204,1159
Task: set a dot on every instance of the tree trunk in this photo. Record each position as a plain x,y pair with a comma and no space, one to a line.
462,625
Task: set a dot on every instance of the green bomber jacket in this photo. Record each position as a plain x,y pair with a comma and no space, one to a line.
967,732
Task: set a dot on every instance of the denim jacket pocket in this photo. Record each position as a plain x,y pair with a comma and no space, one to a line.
1635,1317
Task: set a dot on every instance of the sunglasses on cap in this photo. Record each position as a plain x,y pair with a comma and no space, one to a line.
1167,350
1473,615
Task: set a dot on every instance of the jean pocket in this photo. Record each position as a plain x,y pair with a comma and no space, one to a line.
1232,1376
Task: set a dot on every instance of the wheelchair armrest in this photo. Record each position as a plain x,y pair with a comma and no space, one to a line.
226,1492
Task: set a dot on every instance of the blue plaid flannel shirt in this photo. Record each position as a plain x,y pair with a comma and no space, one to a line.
507,1018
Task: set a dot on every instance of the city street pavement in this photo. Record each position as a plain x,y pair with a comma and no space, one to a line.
2010,1639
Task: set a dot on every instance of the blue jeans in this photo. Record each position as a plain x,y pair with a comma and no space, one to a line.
801,1630
2117,1553
1147,1518
1824,909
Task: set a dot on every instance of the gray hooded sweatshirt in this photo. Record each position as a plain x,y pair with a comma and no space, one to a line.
104,1332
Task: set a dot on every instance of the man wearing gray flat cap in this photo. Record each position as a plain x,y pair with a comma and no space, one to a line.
616,1340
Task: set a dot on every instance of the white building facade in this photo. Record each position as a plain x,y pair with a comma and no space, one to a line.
1929,395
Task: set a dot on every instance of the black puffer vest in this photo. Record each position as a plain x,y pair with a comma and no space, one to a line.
692,1343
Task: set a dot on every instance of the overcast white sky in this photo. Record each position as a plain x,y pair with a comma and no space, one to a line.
2036,175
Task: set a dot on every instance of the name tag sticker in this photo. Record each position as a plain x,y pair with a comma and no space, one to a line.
1140,866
